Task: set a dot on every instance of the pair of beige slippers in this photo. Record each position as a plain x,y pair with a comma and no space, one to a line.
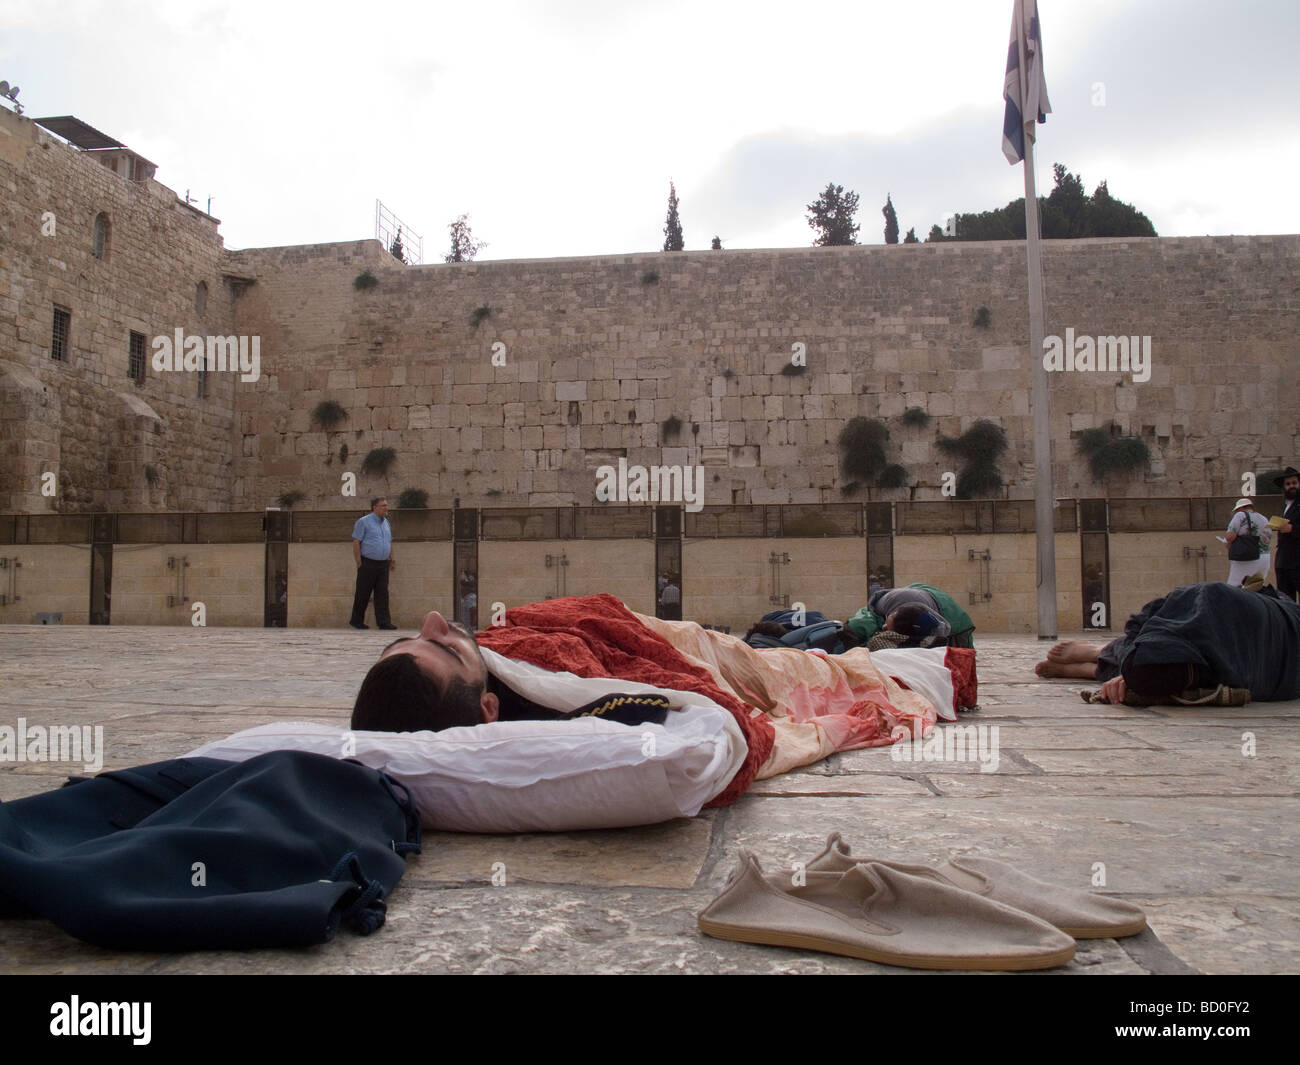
969,913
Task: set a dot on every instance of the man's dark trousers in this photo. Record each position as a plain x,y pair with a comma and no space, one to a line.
372,576
1288,581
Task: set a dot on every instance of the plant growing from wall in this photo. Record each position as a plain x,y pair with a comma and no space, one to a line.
893,476
413,499
327,414
650,277
916,417
793,369
862,448
983,318
862,455
379,460
492,493
343,452
151,476
365,280
1109,453
979,447
670,428
479,315
289,500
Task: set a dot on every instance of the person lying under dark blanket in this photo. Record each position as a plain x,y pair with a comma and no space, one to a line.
439,680
1184,646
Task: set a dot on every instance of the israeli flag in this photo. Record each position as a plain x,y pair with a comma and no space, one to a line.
1025,88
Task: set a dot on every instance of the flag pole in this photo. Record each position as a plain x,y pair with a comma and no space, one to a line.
1044,491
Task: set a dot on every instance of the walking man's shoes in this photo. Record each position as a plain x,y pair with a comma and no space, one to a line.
356,626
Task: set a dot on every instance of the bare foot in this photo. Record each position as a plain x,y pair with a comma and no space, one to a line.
1074,670
1073,651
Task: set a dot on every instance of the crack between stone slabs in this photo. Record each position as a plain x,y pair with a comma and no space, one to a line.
1148,952
834,795
1023,762
717,845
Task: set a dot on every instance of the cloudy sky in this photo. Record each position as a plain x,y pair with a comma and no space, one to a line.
556,125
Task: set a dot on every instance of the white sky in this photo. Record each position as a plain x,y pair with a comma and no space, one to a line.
557,124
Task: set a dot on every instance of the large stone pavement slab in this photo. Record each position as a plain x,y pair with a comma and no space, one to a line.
1190,813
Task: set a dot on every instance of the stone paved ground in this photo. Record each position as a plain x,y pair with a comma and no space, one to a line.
1185,824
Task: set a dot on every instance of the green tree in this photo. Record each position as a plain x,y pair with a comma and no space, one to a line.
463,245
911,237
891,221
717,244
1066,213
832,216
673,240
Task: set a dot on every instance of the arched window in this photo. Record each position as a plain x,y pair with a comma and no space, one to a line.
201,298
100,250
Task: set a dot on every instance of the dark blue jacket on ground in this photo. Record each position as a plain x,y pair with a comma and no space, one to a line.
200,853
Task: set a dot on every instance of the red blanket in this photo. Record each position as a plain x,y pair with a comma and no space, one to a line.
597,636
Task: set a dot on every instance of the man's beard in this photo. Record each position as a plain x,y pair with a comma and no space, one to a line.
1290,493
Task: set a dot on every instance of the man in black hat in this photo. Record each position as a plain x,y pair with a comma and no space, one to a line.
1286,557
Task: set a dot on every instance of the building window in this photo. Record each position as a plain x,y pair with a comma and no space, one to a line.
201,298
135,363
61,342
100,250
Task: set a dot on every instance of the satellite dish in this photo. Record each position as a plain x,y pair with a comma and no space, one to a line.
4,88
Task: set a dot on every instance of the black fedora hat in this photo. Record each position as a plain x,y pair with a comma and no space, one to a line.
1290,471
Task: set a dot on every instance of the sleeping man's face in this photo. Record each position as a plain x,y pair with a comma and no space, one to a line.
447,653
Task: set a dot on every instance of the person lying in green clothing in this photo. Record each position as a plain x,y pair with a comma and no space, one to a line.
887,601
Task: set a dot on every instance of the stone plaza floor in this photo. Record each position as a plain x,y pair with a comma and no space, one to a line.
1170,804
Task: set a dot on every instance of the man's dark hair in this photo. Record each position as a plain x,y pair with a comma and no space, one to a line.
398,696
916,622
377,500
767,628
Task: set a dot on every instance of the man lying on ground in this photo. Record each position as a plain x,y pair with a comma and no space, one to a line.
440,680
873,617
910,624
1186,645
592,655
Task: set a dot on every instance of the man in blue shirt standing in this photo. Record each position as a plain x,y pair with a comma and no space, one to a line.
372,548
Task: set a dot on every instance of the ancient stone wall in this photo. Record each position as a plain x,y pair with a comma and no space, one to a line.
511,382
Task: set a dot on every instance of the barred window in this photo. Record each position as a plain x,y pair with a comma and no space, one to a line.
61,342
135,363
